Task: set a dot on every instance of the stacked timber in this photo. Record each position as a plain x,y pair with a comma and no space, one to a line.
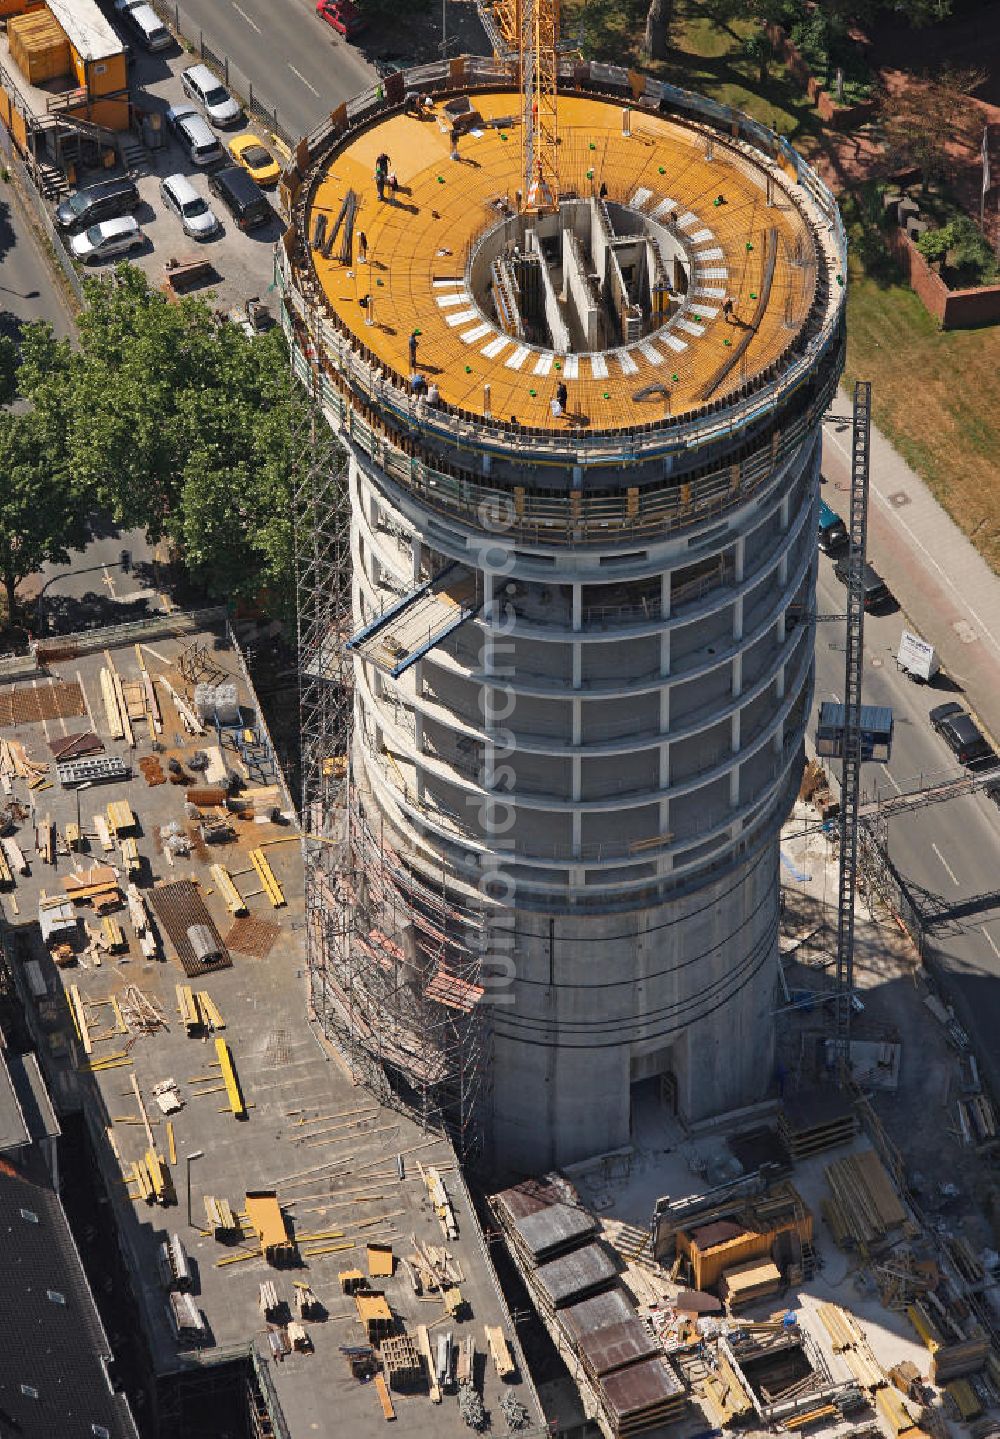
746,1283
865,1207
821,1122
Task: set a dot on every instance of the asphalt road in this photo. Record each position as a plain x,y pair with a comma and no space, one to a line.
27,288
949,853
293,60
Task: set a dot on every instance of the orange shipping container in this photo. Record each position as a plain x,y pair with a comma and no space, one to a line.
38,47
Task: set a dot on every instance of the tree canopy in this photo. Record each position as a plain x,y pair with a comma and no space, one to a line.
174,422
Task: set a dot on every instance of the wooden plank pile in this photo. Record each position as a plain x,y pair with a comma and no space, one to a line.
746,1283
849,1340
977,1121
811,1127
96,886
957,1345
15,764
865,1207
435,1268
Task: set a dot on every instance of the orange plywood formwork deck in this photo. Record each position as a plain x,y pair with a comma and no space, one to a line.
740,247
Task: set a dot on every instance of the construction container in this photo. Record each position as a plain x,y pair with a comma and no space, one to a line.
39,47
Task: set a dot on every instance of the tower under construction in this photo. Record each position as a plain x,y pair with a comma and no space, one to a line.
556,658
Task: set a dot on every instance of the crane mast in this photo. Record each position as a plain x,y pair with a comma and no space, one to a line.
528,32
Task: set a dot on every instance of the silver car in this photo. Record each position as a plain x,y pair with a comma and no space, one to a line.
194,213
205,90
107,240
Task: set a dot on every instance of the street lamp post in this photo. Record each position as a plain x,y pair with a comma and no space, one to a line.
80,787
188,1158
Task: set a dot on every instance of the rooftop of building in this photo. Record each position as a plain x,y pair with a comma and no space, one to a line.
311,1132
734,219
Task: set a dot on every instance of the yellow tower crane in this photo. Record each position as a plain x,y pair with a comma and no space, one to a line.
529,33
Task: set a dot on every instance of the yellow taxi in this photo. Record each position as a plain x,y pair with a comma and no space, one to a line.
254,156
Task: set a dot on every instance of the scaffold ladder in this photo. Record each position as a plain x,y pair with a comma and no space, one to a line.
851,765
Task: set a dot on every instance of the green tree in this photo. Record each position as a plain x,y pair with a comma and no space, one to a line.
179,424
41,518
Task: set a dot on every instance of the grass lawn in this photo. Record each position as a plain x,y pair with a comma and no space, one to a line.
936,395
705,57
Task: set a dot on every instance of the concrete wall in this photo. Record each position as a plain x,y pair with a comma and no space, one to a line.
599,1001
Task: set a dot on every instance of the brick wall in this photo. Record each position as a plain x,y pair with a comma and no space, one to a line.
838,117
953,309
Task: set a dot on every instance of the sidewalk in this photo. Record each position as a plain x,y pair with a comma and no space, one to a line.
947,592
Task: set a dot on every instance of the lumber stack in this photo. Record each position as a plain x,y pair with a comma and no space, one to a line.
746,1283
865,1207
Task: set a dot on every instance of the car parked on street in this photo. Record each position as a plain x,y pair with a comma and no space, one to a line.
105,200
344,17
108,240
213,97
256,159
143,20
876,590
196,216
962,735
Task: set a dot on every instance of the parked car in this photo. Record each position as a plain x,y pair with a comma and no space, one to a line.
961,734
345,18
242,197
833,534
147,25
875,587
256,159
213,97
181,198
107,240
104,201
194,135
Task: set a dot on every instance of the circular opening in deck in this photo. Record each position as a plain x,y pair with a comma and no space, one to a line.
592,276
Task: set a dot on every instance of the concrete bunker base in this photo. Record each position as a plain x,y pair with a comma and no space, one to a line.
684,988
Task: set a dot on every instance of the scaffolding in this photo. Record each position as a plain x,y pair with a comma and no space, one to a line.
394,956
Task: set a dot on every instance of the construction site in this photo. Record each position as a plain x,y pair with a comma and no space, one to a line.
285,1239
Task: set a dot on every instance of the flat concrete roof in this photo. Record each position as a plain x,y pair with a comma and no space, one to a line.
311,1132
419,240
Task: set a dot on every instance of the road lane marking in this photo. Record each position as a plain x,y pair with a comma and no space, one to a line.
896,787
299,75
989,940
954,876
253,25
898,520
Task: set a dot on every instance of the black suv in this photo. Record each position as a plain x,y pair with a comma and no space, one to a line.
875,587
242,196
106,200
961,734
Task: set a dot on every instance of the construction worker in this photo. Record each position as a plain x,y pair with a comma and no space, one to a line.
412,347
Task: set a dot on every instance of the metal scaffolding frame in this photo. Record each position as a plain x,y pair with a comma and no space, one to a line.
394,956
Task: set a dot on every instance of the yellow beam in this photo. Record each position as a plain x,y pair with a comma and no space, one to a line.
271,886
232,1084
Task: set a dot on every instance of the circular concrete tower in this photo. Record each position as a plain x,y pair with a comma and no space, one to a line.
584,446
